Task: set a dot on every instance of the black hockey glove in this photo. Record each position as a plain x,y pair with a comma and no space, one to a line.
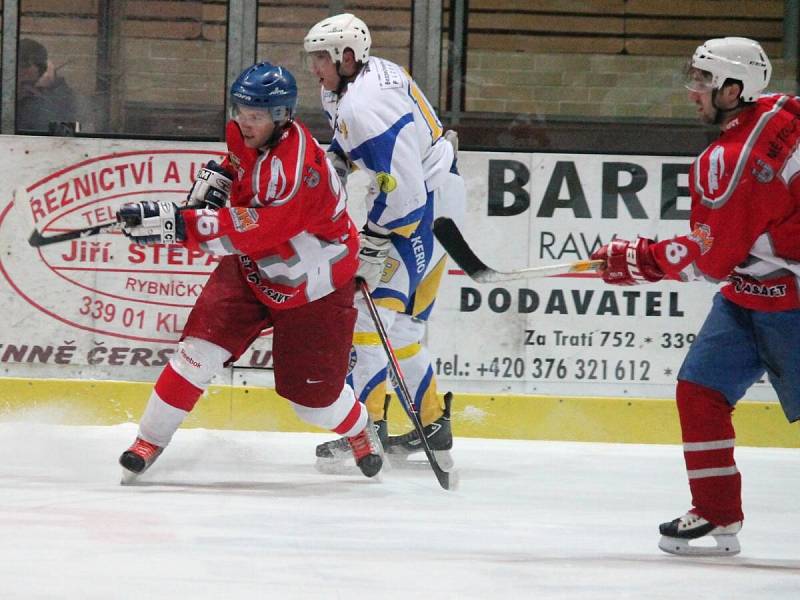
211,189
341,165
149,222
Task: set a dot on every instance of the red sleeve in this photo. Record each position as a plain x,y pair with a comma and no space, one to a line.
243,230
731,208
295,193
785,235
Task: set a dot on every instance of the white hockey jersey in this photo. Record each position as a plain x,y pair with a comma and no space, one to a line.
387,127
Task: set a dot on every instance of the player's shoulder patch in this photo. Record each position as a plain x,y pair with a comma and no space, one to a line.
244,219
717,171
311,177
351,113
701,235
747,156
389,75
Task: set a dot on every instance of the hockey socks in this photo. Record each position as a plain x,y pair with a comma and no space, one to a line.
708,444
172,398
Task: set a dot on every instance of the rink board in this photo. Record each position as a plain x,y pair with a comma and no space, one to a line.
501,416
561,358
102,308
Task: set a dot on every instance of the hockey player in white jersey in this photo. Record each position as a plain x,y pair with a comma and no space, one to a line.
383,125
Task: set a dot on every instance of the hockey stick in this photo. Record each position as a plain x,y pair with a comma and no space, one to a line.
405,397
450,237
37,239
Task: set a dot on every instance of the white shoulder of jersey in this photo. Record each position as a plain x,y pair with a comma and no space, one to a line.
375,100
328,101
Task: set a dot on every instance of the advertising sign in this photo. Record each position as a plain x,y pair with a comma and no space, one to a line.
96,306
571,335
101,307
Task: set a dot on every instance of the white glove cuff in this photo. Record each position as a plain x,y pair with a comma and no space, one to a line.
162,224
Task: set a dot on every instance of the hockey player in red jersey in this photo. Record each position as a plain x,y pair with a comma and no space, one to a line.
289,257
745,226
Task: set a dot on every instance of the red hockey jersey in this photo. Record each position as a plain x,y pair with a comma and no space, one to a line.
745,215
287,220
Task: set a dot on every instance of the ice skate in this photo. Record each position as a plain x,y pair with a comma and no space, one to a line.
137,459
367,450
439,435
334,457
677,534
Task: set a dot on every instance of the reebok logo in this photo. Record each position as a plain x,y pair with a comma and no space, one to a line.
192,362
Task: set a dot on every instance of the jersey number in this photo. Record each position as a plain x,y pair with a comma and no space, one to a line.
675,252
427,112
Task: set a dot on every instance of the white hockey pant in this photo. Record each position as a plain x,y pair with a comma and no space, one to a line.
370,371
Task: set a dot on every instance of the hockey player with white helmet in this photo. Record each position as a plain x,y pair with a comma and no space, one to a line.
275,213
745,221
384,125
732,58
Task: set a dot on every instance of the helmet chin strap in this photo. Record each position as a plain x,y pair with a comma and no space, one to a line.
346,79
277,132
723,113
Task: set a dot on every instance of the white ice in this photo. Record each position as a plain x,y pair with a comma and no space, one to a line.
230,515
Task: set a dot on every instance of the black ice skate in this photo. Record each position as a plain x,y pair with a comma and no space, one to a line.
678,533
439,435
334,457
367,450
137,459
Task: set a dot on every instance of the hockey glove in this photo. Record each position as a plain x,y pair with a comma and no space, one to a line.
212,187
148,222
340,164
452,136
628,263
372,257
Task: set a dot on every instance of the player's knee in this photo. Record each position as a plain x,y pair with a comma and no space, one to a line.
199,360
407,331
364,321
343,411
697,401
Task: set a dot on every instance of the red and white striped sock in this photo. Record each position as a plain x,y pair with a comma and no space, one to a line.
708,444
354,422
345,415
176,390
173,397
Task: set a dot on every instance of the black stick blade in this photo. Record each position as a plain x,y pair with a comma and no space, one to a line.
37,239
449,236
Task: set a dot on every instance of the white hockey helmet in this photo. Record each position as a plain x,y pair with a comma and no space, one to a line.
337,33
737,58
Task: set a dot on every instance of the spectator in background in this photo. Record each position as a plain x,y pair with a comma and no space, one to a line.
45,102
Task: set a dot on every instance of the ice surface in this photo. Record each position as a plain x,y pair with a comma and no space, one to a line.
231,515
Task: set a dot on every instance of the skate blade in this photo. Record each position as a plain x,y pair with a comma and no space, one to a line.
327,466
400,460
128,477
336,467
726,545
454,480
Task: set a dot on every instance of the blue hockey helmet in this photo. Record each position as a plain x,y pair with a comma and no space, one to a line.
266,86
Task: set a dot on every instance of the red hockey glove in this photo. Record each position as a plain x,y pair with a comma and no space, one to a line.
628,263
